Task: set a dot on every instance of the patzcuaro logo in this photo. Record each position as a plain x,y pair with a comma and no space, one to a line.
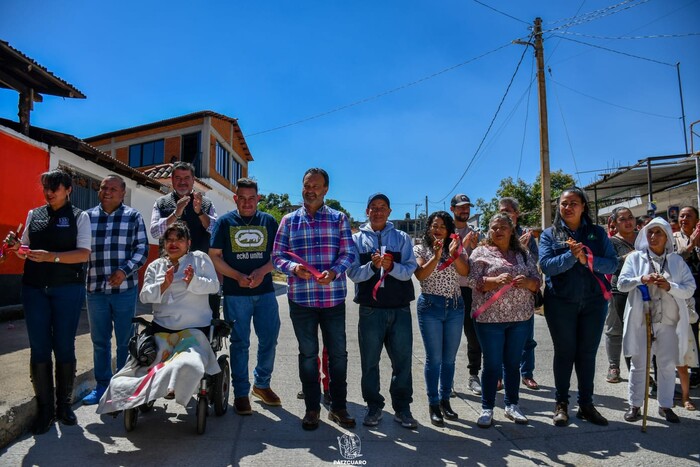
350,446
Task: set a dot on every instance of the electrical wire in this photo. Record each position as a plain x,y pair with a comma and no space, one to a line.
617,51
652,36
377,96
610,103
527,113
501,12
588,17
500,104
566,131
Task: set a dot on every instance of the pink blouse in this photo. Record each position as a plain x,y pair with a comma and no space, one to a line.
515,304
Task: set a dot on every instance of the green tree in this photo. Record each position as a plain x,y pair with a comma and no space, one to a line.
335,204
275,205
528,195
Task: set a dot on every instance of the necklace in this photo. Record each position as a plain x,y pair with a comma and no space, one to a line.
250,221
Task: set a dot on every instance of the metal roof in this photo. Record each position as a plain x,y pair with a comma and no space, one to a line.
21,73
627,183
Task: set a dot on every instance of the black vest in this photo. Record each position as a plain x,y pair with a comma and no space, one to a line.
393,294
200,237
55,231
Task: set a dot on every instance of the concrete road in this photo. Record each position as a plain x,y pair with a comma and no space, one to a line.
273,436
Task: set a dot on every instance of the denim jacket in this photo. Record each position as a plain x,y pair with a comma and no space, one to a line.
565,276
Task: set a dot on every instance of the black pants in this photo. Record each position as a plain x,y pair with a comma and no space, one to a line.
473,346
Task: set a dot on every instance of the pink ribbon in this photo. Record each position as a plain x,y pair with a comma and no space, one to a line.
452,259
380,281
493,299
589,262
314,272
145,381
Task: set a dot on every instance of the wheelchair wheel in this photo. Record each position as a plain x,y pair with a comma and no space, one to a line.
220,387
131,416
147,407
202,409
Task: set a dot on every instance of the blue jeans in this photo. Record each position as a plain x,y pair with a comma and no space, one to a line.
103,310
440,320
576,329
502,346
52,315
306,321
264,312
390,328
527,362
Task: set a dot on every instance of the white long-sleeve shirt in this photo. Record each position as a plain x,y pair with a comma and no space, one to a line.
181,306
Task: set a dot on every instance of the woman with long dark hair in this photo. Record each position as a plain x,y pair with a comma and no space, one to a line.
575,299
440,310
53,291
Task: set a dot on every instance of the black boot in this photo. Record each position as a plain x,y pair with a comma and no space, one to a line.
42,380
436,415
65,376
447,410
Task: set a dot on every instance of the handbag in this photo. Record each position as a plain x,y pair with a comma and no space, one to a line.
142,345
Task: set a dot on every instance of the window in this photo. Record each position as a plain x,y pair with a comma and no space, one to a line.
144,154
226,165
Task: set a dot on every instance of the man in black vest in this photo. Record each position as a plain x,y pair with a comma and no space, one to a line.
190,207
382,270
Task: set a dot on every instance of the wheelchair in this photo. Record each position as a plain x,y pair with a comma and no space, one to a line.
213,390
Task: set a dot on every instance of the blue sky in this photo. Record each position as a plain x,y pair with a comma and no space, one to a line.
273,63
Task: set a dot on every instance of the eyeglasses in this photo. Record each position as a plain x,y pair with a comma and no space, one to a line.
382,209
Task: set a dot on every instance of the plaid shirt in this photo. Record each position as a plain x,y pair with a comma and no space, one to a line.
325,242
118,242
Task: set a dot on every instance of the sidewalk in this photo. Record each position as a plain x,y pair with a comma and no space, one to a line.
273,435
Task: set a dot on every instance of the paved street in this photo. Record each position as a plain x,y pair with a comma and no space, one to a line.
273,436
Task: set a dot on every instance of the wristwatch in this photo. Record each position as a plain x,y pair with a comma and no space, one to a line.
56,259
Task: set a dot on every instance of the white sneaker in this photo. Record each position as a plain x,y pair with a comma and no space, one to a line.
475,385
485,419
513,412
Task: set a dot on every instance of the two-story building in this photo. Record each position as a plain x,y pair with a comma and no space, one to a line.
212,142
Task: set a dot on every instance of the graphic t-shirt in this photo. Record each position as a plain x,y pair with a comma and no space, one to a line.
246,243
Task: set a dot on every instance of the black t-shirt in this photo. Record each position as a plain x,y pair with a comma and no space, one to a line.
246,244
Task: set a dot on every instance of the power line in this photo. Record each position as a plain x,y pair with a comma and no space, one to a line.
588,17
652,36
566,130
500,104
501,12
610,103
527,113
617,51
377,96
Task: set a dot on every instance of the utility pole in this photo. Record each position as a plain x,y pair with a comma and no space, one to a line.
546,195
426,206
544,130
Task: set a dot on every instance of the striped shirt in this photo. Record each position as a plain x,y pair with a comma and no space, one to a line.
118,242
325,242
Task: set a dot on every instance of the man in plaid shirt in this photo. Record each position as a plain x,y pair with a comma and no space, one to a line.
321,237
119,248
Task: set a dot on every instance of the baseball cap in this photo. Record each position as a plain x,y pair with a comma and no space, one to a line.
381,196
460,200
